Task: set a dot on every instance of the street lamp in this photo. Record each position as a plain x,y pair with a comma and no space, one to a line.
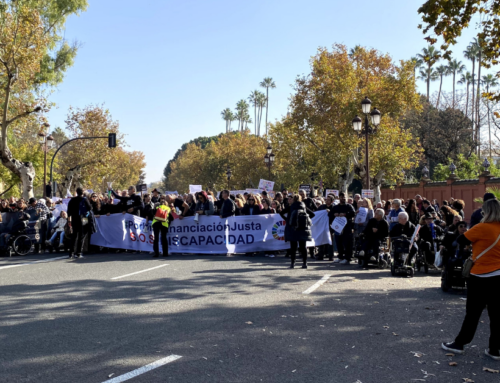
47,142
269,159
357,124
228,174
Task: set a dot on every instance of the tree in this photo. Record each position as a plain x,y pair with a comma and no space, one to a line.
267,83
30,59
417,63
428,75
319,125
447,19
466,79
441,71
242,115
429,56
253,98
228,116
467,168
455,67
489,82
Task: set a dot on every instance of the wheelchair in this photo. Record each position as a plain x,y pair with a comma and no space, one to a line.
21,238
403,262
382,259
451,275
422,261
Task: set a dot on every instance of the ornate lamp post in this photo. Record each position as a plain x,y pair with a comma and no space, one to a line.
357,125
452,168
269,159
486,165
48,143
425,172
228,174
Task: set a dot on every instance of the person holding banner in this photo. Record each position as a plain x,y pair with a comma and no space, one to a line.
132,203
344,240
160,226
362,216
204,206
228,208
250,207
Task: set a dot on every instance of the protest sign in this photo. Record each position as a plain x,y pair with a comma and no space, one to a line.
272,194
234,192
367,193
171,192
211,235
331,191
305,187
266,185
338,224
254,191
361,216
195,188
415,233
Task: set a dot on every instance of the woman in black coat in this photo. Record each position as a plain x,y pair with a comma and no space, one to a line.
298,228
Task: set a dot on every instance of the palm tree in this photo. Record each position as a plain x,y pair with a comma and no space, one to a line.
253,98
441,71
228,116
428,74
429,56
267,83
471,54
261,103
479,52
417,63
455,67
466,79
489,81
242,114
354,50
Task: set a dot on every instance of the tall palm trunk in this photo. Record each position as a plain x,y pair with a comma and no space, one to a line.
260,117
467,100
474,139
439,93
428,82
453,89
267,105
255,116
478,101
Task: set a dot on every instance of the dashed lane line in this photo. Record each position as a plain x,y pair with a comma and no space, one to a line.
138,272
317,284
142,370
32,263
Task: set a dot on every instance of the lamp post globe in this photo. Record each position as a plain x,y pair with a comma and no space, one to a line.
375,116
366,105
357,124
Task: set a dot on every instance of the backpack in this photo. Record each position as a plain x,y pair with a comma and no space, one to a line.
300,220
161,214
83,209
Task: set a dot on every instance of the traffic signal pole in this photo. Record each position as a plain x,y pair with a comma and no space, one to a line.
111,144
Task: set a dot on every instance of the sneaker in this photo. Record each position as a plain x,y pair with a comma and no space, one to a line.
266,255
453,347
344,262
495,354
336,261
70,256
373,259
304,266
361,253
271,255
80,256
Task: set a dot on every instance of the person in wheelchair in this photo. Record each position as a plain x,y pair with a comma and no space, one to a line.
58,230
453,253
429,234
376,231
406,228
19,221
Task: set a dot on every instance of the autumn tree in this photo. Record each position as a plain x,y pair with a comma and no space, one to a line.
32,55
324,104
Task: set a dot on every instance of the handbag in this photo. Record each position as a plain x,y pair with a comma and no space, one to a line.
470,261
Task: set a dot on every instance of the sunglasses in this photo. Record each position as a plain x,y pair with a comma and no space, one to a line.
251,200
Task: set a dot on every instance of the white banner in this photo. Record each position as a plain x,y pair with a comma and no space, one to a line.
195,188
212,235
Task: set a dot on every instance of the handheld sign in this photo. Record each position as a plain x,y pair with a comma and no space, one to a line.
338,224
195,188
266,185
367,193
361,216
331,191
417,229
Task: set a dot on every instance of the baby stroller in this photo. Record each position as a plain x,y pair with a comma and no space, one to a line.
451,276
403,262
382,259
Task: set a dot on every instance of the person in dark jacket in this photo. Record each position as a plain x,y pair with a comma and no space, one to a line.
132,203
309,202
376,231
79,230
459,206
299,230
477,216
228,208
204,206
250,208
156,196
344,241
404,227
149,207
429,235
449,247
267,209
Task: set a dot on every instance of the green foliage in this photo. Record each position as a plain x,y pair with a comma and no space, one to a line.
494,191
467,168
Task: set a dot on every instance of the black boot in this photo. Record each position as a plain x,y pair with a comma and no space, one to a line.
304,265
292,265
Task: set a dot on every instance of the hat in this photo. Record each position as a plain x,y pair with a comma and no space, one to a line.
156,190
488,196
428,215
461,223
31,200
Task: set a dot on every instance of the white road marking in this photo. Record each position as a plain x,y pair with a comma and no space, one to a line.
31,263
142,370
138,272
317,284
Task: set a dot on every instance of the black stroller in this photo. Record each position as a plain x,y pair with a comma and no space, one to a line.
403,261
451,276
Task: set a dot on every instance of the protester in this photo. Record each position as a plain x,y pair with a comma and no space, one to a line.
478,214
375,232
394,213
149,207
228,208
448,214
204,206
412,210
132,203
328,249
39,212
459,206
250,207
426,207
298,231
344,241
367,204
307,200
267,209
156,196
160,224
78,207
59,230
484,281
429,234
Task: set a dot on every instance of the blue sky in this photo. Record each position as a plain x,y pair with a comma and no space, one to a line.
166,69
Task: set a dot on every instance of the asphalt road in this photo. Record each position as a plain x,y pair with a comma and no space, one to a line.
230,319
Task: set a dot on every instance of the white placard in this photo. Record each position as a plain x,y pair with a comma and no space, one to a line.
195,188
338,224
266,185
367,193
331,191
254,191
361,216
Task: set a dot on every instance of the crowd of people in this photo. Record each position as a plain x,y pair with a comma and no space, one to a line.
442,228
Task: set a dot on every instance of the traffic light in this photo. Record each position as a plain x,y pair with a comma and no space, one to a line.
48,190
112,140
